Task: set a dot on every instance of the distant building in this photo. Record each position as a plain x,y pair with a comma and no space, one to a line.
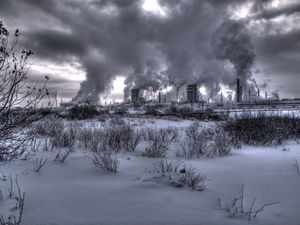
192,93
239,91
162,97
67,105
135,95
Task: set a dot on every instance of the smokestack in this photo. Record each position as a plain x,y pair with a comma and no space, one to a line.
159,97
258,93
238,89
249,95
266,95
221,98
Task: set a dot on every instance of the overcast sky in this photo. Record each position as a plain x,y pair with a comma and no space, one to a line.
151,43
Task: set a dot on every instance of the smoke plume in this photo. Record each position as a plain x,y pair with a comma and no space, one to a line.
232,42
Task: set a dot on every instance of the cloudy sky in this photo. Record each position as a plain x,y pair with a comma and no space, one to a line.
97,47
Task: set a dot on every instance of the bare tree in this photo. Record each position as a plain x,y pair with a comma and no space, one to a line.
18,98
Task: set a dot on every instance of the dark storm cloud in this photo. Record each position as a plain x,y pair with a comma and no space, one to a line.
51,43
269,13
287,43
117,37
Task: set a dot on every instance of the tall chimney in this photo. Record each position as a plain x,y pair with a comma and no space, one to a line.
238,89
258,93
221,98
266,95
249,95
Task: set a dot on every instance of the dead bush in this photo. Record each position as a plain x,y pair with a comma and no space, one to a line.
38,164
237,207
158,147
262,129
61,156
195,143
120,135
50,126
222,144
180,174
88,135
17,201
66,139
106,158
168,134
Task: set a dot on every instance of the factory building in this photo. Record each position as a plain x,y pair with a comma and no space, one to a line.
162,97
192,93
135,95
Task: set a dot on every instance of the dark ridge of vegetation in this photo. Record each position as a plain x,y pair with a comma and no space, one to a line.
82,112
262,129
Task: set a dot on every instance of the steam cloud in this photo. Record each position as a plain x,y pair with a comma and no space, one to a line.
232,42
112,38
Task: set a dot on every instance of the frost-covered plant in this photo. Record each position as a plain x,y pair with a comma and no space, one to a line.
237,207
262,129
167,167
116,121
222,143
50,126
180,174
195,144
158,147
121,135
38,164
16,213
131,139
201,141
66,139
61,156
106,158
88,135
168,134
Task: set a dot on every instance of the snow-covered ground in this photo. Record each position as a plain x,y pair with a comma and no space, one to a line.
78,193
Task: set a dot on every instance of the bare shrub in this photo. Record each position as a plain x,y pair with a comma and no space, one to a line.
297,167
61,156
180,174
191,148
18,98
192,178
116,121
66,139
121,135
88,136
222,143
106,158
114,136
147,133
38,164
285,148
50,126
195,144
12,218
262,129
168,134
201,141
131,138
158,147
166,167
237,207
